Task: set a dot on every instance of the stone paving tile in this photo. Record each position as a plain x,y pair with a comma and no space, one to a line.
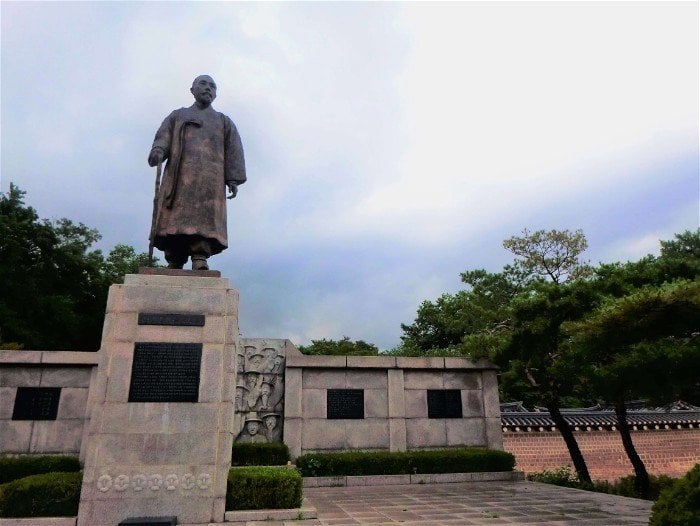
470,503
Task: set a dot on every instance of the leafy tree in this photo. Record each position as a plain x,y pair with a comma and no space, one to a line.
538,346
343,347
550,256
472,322
551,261
643,344
53,286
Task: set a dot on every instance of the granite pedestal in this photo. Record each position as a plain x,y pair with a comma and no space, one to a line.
160,431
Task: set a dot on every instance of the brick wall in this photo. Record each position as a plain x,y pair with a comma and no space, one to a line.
664,452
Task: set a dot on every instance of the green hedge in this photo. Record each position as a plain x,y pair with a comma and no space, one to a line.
409,462
679,505
19,467
265,454
45,495
260,488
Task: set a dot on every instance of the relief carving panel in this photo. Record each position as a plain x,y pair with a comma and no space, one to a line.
259,412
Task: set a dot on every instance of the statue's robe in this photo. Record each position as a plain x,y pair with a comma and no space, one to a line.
204,152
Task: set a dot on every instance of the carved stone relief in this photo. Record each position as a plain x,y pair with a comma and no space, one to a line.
260,391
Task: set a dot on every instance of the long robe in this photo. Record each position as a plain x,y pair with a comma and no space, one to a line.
204,152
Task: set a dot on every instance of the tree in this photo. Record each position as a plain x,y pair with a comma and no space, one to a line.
343,347
53,286
646,343
472,322
550,256
552,261
538,346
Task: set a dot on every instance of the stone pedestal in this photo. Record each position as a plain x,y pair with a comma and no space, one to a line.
148,453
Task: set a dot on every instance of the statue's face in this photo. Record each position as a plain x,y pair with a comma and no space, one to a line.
204,89
253,428
251,380
270,422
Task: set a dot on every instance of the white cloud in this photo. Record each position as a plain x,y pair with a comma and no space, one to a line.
389,145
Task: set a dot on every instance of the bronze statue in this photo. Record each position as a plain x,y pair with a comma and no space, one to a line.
205,155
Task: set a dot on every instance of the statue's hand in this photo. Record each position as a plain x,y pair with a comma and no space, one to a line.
155,157
233,188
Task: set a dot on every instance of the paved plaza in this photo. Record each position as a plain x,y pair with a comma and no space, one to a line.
483,503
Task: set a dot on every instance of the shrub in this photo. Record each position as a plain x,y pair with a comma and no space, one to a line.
45,495
562,476
403,463
257,488
19,467
265,454
624,487
679,504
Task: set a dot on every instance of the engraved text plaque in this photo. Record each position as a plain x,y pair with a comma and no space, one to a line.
345,404
165,372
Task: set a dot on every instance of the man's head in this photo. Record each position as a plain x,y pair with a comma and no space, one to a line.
253,427
270,421
204,90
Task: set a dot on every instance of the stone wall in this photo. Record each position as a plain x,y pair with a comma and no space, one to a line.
43,378
391,396
664,451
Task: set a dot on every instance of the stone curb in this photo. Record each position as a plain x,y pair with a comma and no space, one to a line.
40,521
307,512
427,478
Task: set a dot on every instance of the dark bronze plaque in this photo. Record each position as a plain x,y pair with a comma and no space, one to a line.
181,320
36,403
345,404
444,403
149,521
165,372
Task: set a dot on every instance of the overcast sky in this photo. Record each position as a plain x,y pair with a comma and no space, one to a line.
389,146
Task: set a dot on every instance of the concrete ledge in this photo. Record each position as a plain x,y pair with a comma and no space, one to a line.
70,358
20,357
159,271
40,521
372,362
305,360
49,357
464,363
303,513
403,362
428,478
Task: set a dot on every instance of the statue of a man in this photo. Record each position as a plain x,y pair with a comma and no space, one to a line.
205,155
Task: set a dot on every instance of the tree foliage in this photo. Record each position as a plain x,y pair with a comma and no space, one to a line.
550,255
53,285
342,347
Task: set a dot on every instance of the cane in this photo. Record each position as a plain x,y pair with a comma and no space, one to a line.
154,218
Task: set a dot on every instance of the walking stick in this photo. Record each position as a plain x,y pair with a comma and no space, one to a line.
154,218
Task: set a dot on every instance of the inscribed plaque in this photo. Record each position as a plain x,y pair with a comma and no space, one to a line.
444,403
345,404
174,319
149,521
165,372
36,403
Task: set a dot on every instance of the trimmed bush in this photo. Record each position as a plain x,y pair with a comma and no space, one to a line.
404,463
562,476
19,467
265,454
679,505
45,495
260,488
624,487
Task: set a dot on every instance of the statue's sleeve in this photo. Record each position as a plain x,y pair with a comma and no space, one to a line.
234,169
164,136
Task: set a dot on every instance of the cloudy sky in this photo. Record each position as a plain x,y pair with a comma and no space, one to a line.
389,146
